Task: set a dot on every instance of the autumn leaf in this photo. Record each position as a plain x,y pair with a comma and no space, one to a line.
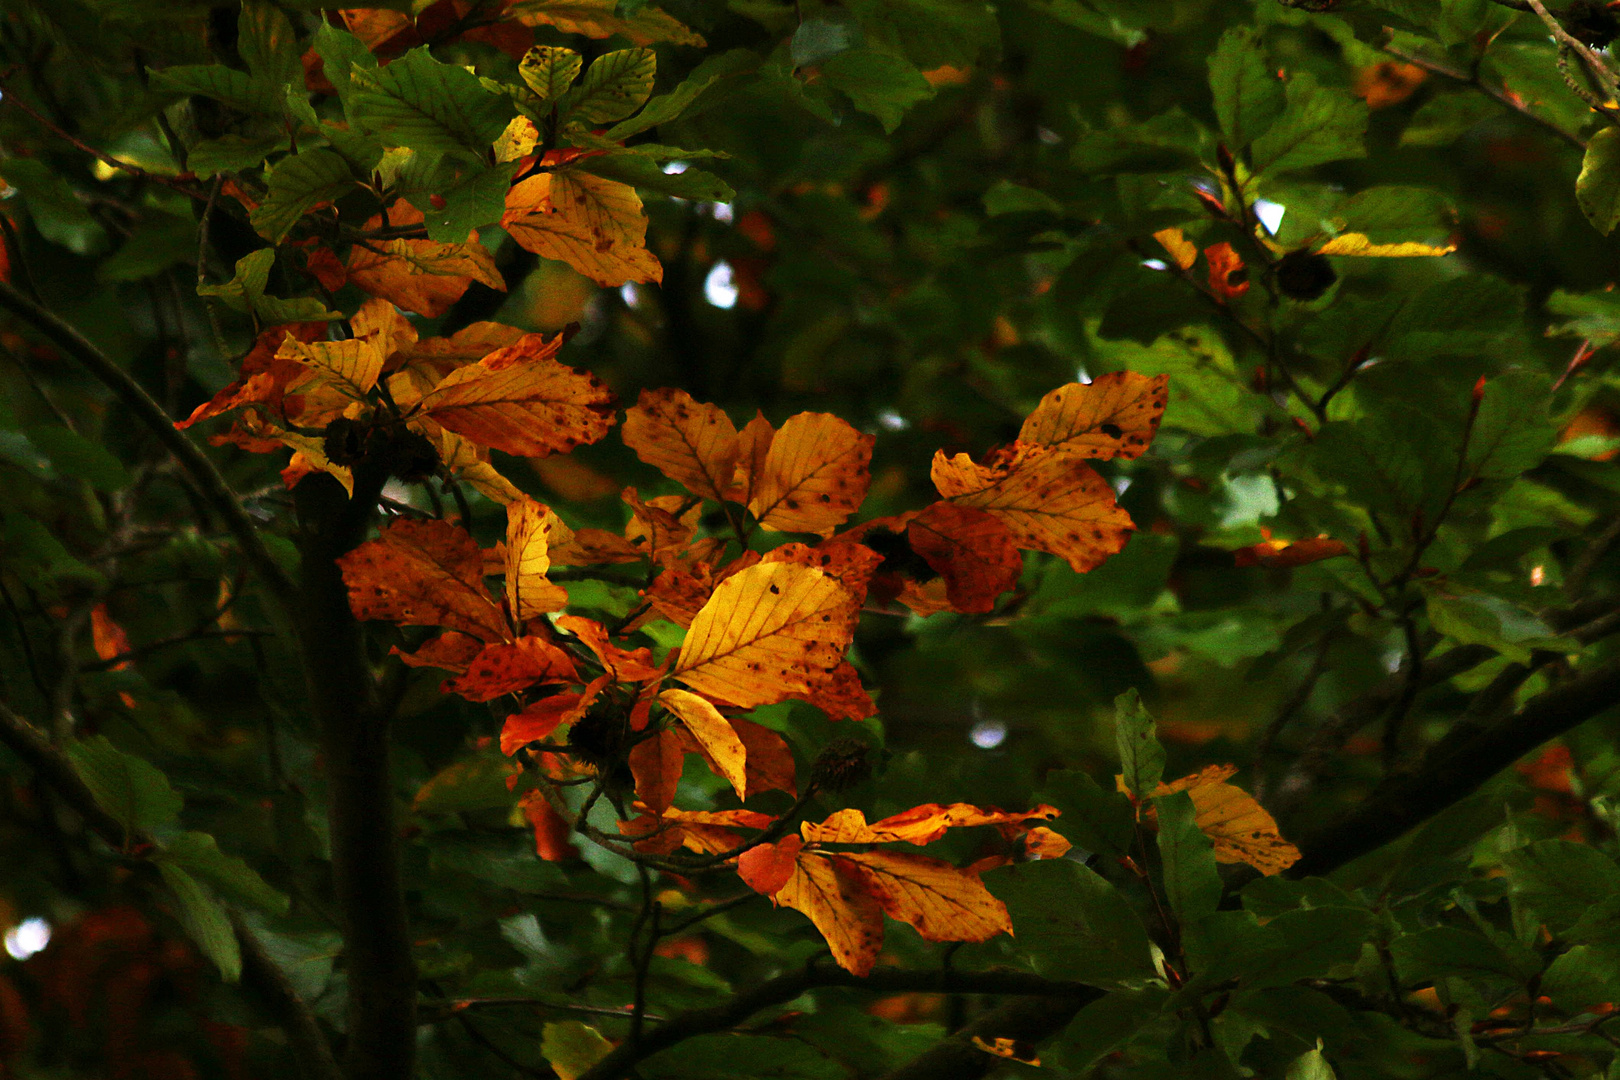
507,667
1358,244
1228,277
813,477
708,832
943,902
450,651
539,719
600,19
1239,828
439,356
834,894
694,445
264,375
423,573
596,226
594,546
970,549
656,764
1275,554
723,748
625,665
553,836
529,529
1114,415
1181,250
841,696
765,868
522,401
663,526
351,367
769,761
768,632
753,447
1049,501
920,825
419,275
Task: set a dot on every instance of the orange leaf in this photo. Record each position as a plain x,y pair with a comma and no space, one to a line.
1228,277
753,447
833,892
552,835
920,825
841,696
767,867
530,527
539,720
1276,554
852,564
722,747
264,375
522,401
107,637
654,527
423,573
1049,501
814,475
971,549
692,444
1114,415
625,665
438,357
596,226
593,546
656,764
600,19
1239,827
707,832
1042,843
768,632
1175,242
943,902
420,275
769,760
450,651
507,667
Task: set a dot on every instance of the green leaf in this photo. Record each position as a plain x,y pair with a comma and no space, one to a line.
1006,197
571,1047
1168,141
1192,883
1308,943
1514,430
267,42
477,200
132,790
644,173
1593,315
1581,977
340,52
929,33
742,1057
430,107
549,70
1319,125
205,920
615,86
823,38
1141,758
1445,118
1447,950
1561,880
298,183
1311,1065
1108,1023
235,88
879,84
1072,924
1095,819
1597,188
233,153
56,210
666,107
1248,95
198,855
478,783
245,292
77,458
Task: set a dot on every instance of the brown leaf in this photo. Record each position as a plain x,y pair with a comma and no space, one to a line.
971,549
423,573
943,902
507,667
596,226
1114,415
692,444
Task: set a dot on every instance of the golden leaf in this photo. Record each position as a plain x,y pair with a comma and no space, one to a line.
920,825
768,632
721,745
522,401
530,527
814,475
600,19
596,226
1180,249
419,275
1049,501
1355,243
692,444
1240,828
834,895
943,902
1114,415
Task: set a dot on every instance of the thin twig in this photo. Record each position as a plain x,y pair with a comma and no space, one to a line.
9,96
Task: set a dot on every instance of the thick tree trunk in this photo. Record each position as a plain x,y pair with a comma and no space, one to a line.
360,803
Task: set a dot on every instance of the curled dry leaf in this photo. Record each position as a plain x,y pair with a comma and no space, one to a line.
920,825
721,744
970,549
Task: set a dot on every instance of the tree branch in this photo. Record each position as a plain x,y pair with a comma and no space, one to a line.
1457,766
134,397
1055,995
1032,1020
259,973
1501,97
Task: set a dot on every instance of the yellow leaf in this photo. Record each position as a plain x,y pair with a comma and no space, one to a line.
596,226
832,893
814,475
691,443
1114,415
753,447
944,902
469,463
1182,250
522,401
1049,501
350,367
713,732
600,19
1011,1049
768,632
529,529
1358,244
438,357
420,275
919,825
1239,827
518,140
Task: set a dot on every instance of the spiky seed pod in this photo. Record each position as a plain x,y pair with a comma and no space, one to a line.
1304,276
841,765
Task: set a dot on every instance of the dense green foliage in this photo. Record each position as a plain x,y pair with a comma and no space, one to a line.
1375,564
